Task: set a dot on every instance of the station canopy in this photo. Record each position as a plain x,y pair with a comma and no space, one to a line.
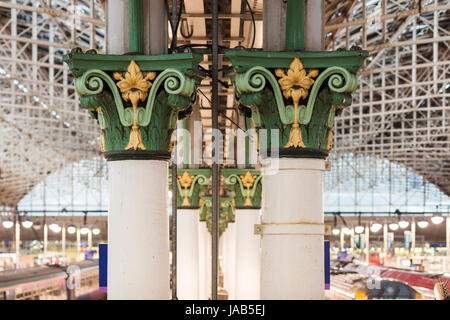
391,146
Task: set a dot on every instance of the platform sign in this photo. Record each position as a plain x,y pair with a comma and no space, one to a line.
327,264
103,267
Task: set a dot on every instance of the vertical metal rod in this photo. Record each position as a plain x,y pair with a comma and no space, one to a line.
174,224
215,156
174,23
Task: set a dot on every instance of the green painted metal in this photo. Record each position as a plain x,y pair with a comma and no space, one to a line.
186,151
234,184
295,25
194,193
170,96
184,62
247,143
227,213
243,60
136,23
257,89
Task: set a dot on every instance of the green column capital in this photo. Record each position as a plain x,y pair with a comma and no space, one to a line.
298,94
245,186
136,99
226,215
191,183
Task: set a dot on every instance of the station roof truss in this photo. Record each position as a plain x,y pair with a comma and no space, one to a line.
400,111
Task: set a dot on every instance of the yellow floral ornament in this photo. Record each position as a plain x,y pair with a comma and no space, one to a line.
295,85
185,182
134,87
247,181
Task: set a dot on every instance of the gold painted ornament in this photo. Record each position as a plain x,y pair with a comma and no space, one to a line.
102,142
295,85
330,140
134,87
185,182
247,181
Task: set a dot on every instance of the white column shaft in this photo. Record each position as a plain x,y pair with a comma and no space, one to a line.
292,238
187,254
202,239
118,29
230,261
413,237
138,230
208,262
248,256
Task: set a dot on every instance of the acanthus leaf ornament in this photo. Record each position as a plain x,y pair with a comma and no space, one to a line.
134,87
185,182
247,181
295,85
290,95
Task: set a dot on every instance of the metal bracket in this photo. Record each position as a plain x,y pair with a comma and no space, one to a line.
257,229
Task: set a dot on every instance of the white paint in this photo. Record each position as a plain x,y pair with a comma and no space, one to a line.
248,256
155,27
274,27
208,266
138,230
118,29
413,237
202,238
314,25
187,254
230,260
292,239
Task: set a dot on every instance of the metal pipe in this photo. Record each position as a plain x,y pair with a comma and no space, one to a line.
295,25
215,155
136,23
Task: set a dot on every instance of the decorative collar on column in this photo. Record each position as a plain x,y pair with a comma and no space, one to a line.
227,212
245,185
312,87
191,183
136,99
